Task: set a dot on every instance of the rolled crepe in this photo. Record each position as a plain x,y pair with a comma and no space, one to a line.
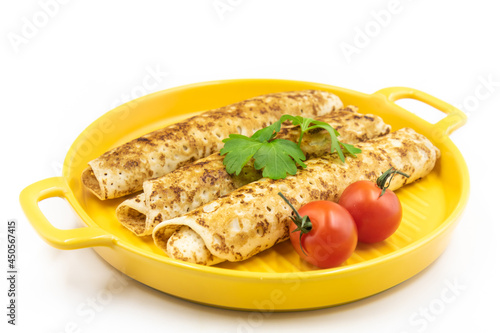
123,170
194,185
254,218
132,214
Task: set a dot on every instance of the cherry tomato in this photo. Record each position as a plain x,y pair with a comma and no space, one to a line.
328,237
377,216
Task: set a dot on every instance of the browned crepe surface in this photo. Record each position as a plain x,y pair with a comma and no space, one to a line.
123,170
205,180
254,218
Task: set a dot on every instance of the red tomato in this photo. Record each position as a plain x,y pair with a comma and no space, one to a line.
332,235
377,217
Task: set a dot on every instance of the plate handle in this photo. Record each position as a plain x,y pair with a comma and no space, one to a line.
454,119
62,239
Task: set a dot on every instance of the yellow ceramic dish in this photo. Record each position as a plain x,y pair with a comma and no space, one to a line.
275,280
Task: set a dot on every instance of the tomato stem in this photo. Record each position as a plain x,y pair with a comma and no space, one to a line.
303,223
387,176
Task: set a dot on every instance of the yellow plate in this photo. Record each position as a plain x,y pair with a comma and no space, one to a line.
275,280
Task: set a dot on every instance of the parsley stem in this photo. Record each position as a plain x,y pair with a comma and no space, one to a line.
300,137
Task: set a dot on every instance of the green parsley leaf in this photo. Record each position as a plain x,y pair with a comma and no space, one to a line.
333,135
240,149
279,157
351,149
298,120
267,133
305,123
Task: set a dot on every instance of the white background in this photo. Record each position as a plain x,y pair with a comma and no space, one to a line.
65,64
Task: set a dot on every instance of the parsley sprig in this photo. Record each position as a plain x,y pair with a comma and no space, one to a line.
277,157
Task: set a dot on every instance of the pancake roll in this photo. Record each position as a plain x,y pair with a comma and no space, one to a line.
123,170
254,217
194,185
